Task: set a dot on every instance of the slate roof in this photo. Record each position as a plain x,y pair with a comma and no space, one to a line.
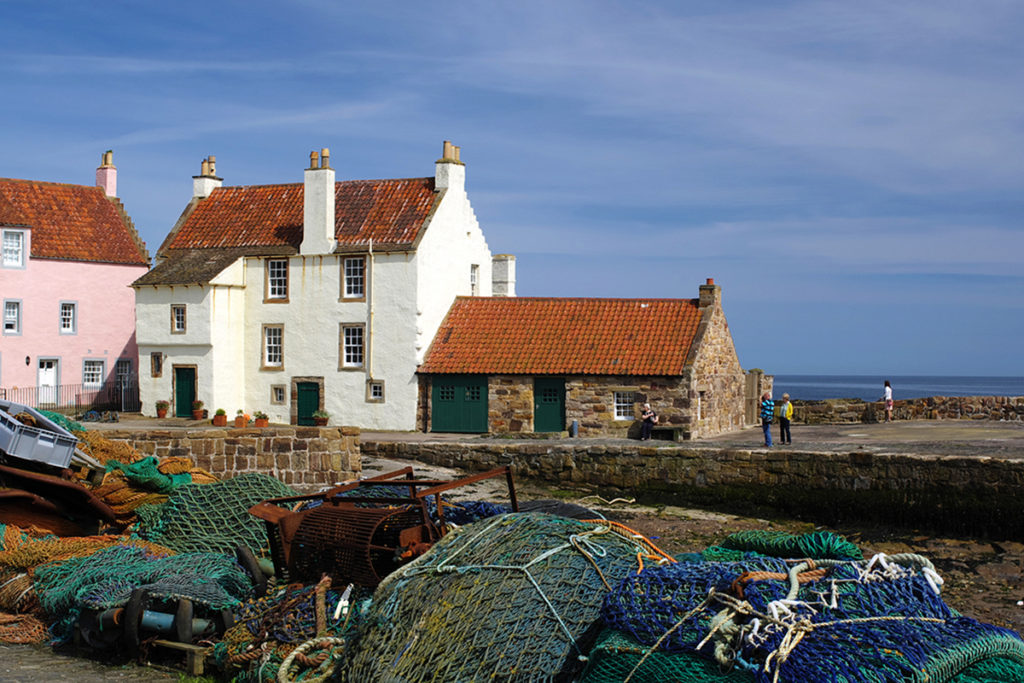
390,212
71,222
536,336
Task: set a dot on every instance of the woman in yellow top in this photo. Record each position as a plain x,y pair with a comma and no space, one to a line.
785,415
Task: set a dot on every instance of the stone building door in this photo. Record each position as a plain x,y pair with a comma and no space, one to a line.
459,403
548,404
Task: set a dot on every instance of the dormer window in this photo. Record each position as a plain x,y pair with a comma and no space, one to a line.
277,280
13,248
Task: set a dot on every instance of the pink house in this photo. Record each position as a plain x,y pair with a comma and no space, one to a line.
69,254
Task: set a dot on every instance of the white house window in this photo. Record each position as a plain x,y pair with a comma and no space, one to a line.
474,279
277,279
14,249
156,364
273,346
92,372
68,317
355,278
277,394
624,405
177,318
352,346
12,317
375,391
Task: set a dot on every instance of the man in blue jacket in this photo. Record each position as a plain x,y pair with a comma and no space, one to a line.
767,415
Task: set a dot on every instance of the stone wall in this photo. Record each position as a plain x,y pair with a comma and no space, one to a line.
718,380
979,495
305,458
841,411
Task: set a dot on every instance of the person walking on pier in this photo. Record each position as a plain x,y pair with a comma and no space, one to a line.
785,415
767,415
887,397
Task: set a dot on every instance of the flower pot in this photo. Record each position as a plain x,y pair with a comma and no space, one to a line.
161,412
220,420
262,421
239,422
197,414
320,421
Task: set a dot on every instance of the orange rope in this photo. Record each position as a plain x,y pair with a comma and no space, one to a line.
633,535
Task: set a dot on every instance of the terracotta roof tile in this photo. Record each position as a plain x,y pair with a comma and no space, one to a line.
521,335
391,212
73,222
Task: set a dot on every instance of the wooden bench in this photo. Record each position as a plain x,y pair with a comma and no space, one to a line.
670,433
195,655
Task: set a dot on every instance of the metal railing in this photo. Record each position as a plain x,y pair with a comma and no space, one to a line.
77,399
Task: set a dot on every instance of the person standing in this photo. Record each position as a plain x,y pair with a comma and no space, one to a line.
887,397
648,418
785,415
767,415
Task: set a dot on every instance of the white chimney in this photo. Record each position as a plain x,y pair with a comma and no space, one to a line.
207,180
318,206
106,174
503,275
449,171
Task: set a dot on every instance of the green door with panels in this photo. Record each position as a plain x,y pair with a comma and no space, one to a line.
184,391
548,404
307,395
459,403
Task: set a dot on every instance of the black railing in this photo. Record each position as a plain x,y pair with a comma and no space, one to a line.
77,399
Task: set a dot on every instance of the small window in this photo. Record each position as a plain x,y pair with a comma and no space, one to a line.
273,346
375,391
353,285
277,279
446,393
14,248
156,364
178,319
624,405
68,317
351,346
474,279
12,317
277,394
92,373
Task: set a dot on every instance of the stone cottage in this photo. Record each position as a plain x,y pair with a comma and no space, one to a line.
544,364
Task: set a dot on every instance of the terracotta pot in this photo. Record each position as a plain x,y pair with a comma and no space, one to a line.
262,421
161,412
197,414
320,421
220,420
239,422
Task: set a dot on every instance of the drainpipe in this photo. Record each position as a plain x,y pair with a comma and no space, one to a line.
369,336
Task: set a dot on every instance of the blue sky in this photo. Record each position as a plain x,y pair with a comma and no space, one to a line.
849,173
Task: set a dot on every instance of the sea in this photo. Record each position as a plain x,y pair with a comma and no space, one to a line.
869,387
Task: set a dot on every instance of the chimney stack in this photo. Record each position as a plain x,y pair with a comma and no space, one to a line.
710,294
318,205
503,275
449,171
106,174
207,180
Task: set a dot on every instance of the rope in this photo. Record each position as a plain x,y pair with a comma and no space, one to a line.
333,652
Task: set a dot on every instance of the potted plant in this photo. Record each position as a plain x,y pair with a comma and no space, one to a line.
197,410
241,419
220,418
261,418
161,408
320,417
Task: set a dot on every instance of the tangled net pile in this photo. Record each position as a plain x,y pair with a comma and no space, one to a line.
212,518
510,598
768,619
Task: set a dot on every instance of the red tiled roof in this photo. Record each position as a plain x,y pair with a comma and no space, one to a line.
519,335
390,212
73,222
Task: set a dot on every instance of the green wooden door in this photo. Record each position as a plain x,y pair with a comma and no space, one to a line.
459,403
184,391
548,404
307,401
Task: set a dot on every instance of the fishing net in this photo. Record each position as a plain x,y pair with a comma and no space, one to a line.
514,597
94,444
63,420
617,657
149,481
269,629
107,578
212,517
819,545
881,620
457,512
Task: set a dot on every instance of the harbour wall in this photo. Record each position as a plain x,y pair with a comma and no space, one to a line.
305,458
841,411
978,495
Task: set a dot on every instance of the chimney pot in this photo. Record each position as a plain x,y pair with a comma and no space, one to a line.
446,150
313,159
325,156
711,280
213,165
106,174
204,168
